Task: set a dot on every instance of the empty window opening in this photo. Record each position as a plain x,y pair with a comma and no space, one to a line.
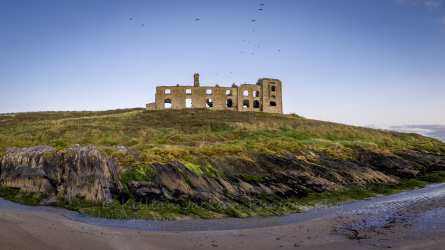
245,103
273,104
209,92
256,104
188,91
229,103
273,88
245,93
167,103
188,103
167,92
229,92
256,94
209,103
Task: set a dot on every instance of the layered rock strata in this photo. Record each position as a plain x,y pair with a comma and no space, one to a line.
87,173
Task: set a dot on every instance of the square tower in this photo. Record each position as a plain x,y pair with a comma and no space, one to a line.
271,95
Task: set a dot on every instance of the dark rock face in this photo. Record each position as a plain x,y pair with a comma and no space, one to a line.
85,172
389,165
81,172
147,192
430,162
24,168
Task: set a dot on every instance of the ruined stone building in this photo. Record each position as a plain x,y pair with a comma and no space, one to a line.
264,96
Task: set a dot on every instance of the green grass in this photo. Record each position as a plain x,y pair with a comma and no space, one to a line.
250,178
8,191
135,173
31,199
190,135
172,211
163,135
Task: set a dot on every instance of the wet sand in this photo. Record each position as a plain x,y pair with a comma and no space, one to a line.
410,220
40,230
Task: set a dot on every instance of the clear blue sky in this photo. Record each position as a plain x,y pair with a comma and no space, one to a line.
356,62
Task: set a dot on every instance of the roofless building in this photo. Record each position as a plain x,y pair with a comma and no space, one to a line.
265,96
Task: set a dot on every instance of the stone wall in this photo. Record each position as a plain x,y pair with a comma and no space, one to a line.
264,96
150,106
246,97
272,94
196,97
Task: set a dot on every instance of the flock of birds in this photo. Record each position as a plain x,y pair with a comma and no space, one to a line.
253,20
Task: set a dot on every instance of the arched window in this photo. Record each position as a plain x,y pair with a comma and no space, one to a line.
229,92
167,103
209,103
188,103
256,104
256,94
209,92
245,93
245,103
273,104
188,91
167,92
229,103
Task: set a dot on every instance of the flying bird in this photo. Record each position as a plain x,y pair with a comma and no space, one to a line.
131,19
260,9
279,50
197,19
253,20
262,4
142,25
253,30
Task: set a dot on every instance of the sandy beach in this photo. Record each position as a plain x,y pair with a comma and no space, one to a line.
42,230
408,220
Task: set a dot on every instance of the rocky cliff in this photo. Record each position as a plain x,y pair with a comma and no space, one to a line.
81,172
84,172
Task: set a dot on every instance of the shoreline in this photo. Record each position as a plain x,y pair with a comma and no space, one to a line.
409,220
229,223
40,230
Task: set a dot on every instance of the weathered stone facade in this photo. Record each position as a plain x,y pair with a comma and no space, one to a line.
265,96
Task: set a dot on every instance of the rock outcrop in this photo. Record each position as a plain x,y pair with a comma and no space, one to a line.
81,172
87,173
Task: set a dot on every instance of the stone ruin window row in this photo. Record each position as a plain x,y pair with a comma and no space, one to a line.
256,104
228,92
254,93
209,103
208,92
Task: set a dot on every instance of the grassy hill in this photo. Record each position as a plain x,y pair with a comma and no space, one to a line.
159,162
164,135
